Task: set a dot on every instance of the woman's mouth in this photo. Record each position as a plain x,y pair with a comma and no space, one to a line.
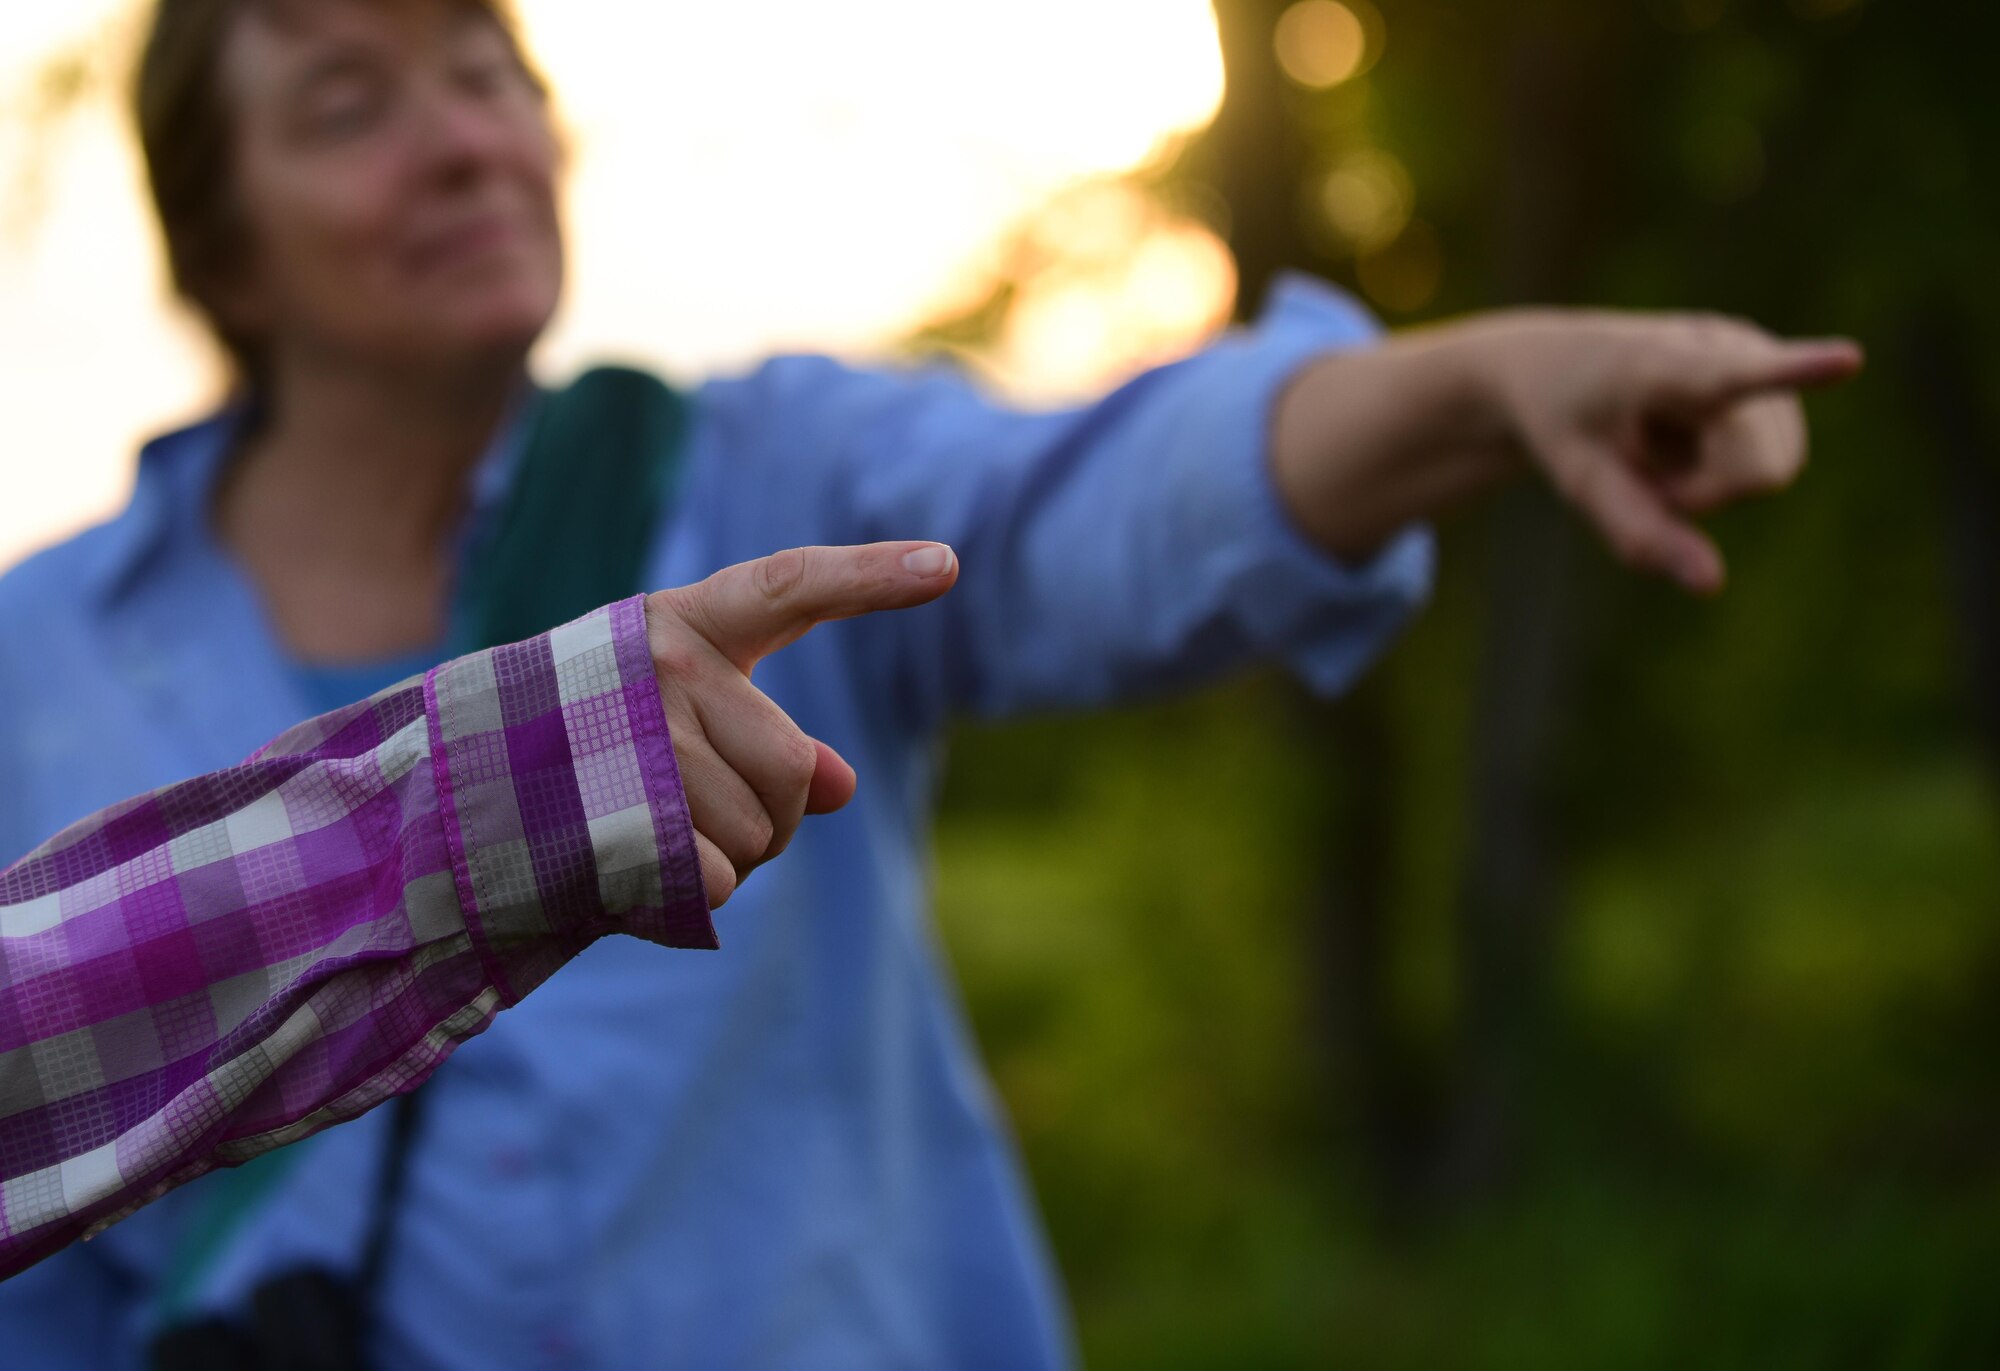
466,244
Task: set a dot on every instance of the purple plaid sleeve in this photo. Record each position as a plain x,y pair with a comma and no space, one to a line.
199,975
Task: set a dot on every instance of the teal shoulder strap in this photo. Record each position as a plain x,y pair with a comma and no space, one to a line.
600,460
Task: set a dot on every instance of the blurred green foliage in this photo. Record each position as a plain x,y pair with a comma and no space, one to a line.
1758,1123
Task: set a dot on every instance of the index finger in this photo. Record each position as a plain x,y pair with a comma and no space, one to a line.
752,609
1719,375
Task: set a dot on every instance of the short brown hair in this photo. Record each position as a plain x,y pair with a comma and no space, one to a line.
186,136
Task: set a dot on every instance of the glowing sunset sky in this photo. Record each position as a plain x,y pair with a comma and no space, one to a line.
749,177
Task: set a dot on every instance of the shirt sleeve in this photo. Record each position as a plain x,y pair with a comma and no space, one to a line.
1127,546
199,975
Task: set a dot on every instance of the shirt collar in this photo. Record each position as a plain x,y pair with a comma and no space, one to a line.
177,476
169,498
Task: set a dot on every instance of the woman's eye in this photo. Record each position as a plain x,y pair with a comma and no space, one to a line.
342,120
345,113
487,76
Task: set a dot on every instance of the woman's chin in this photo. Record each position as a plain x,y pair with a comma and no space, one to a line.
485,337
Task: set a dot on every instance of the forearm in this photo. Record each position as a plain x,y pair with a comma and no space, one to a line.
195,977
1368,441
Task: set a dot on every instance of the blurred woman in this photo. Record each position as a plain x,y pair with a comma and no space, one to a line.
785,1155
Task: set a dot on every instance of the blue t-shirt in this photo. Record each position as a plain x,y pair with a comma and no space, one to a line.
326,686
783,1154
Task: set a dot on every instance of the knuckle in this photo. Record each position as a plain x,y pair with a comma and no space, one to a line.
1722,341
1703,498
1714,325
719,880
676,657
1727,490
799,761
759,833
779,842
778,575
742,832
666,612
678,623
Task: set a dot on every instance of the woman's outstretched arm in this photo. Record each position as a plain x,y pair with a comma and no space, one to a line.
1263,500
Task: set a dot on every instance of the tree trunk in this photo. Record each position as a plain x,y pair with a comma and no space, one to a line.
1509,888
1945,381
1257,158
1254,154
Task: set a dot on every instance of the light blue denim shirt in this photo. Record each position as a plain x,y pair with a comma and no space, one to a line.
784,1154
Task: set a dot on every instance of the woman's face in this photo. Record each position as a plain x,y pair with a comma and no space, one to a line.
395,170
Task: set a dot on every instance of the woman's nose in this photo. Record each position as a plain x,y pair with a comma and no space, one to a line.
461,132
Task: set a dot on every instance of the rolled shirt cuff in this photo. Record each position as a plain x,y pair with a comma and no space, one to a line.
1326,618
561,802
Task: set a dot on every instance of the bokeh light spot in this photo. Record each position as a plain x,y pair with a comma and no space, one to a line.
1119,282
1320,43
1367,199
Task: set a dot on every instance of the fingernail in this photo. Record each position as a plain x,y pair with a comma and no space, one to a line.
933,559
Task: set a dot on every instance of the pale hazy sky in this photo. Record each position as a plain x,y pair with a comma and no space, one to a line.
749,176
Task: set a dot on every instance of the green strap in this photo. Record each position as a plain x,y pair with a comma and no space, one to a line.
600,459
230,1198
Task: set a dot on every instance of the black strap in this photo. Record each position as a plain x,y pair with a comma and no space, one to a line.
389,1189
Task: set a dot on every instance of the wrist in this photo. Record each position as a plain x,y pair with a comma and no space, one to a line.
1369,441
1469,397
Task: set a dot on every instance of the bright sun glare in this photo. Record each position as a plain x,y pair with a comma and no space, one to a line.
749,177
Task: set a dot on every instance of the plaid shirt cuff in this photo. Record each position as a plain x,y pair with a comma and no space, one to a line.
562,806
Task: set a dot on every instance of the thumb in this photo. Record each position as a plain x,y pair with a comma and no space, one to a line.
752,609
